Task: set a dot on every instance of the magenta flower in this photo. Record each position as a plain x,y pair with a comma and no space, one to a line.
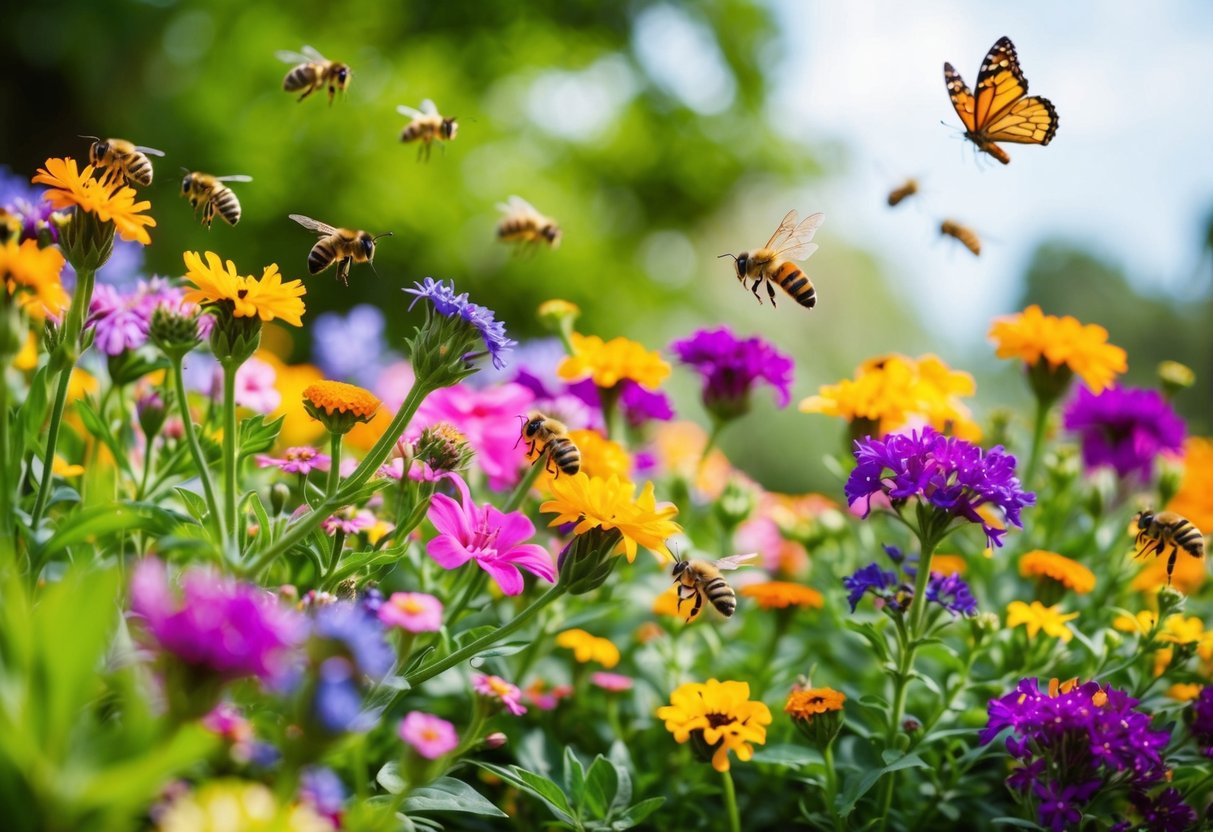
494,687
416,612
614,682
302,460
732,366
429,735
120,321
484,534
349,520
1124,427
489,421
255,386
220,626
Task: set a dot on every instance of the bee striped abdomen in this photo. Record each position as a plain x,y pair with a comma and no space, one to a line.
228,206
139,170
796,283
565,454
1189,538
301,76
320,257
515,230
722,596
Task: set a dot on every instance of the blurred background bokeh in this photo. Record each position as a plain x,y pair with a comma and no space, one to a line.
661,135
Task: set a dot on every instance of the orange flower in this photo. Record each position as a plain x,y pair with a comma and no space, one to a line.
108,201
1069,573
782,594
806,704
949,564
335,397
32,275
1194,500
1032,336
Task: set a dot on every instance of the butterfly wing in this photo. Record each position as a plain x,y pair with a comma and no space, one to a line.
1000,84
798,245
734,562
1027,121
962,97
313,225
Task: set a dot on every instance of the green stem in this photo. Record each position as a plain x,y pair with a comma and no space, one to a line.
827,754
230,445
191,438
710,445
918,608
334,558
52,439
609,397
7,483
489,639
334,480
1038,437
147,467
730,801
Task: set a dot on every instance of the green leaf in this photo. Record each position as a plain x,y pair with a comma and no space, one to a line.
792,756
446,794
1017,822
257,436
636,814
574,775
97,522
368,559
194,503
95,425
509,648
536,786
265,527
618,755
389,777
872,636
601,782
858,788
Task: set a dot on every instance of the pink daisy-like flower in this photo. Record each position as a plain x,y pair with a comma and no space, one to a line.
302,460
255,386
349,520
544,698
494,687
416,612
614,682
488,419
429,735
493,539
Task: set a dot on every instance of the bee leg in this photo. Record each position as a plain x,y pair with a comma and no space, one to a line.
757,285
343,271
771,292
698,605
306,93
1171,563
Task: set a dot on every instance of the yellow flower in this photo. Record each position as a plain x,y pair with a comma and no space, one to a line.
782,594
1141,623
679,447
1069,573
805,704
667,604
1180,630
593,502
378,531
61,467
949,564
893,391
1194,500
1185,692
1037,617
600,457
337,397
1032,335
109,201
33,273
225,805
27,358
589,648
611,362
720,715
268,298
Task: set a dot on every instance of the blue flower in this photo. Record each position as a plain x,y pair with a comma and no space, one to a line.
870,578
360,633
322,789
442,296
952,593
351,347
451,305
337,705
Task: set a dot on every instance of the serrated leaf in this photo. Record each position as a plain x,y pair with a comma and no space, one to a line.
446,794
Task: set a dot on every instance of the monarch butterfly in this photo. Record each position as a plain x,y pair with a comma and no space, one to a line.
1001,111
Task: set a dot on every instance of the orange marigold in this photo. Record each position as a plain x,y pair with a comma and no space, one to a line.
782,594
1032,336
108,201
806,704
337,397
1069,573
31,274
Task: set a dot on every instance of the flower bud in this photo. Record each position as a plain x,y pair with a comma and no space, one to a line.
279,494
735,504
588,561
151,412
233,339
817,713
1049,383
495,740
86,241
175,334
443,448
1174,377
558,316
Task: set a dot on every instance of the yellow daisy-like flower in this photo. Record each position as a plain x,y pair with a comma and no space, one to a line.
611,362
1179,629
806,704
1141,623
269,298
1036,617
782,594
1185,692
32,275
1067,572
337,397
589,648
1194,499
109,201
62,468
949,564
27,358
893,391
594,502
720,715
1032,336
225,805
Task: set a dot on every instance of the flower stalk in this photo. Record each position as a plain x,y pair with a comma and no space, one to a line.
195,448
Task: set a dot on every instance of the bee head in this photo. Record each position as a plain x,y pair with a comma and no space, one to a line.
534,424
739,262
551,233
368,243
99,151
187,183
449,128
342,73
1144,518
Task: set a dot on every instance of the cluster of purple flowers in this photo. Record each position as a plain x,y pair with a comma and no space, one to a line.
732,366
448,304
954,476
120,320
1201,720
1076,741
949,591
1125,428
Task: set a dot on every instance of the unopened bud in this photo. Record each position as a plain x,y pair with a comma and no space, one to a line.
495,740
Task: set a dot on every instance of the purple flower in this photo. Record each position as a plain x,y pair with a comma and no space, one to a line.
302,460
870,578
1165,812
451,305
949,591
351,347
337,703
640,405
220,626
1200,723
494,540
359,635
1059,808
120,321
442,296
24,201
322,789
349,520
953,475
1124,427
952,593
731,367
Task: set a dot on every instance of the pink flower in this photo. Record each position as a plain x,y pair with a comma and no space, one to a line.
348,520
393,384
429,735
494,687
538,694
254,386
614,682
416,612
226,721
488,419
302,460
486,535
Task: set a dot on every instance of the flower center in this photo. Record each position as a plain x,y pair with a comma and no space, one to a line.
411,607
717,720
499,687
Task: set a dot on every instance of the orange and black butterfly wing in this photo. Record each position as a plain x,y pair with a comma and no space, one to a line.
961,95
1027,121
1000,84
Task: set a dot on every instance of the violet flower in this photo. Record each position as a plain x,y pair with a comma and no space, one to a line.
351,347
302,460
448,304
1125,428
731,367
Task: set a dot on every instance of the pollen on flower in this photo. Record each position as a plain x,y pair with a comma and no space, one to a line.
719,717
108,201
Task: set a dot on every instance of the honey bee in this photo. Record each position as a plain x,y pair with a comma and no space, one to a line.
773,262
202,189
1157,532
555,438
523,224
338,245
699,578
903,191
965,235
427,126
123,159
312,71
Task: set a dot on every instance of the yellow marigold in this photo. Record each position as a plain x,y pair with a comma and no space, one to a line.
268,298
893,391
1194,499
782,594
719,715
594,502
32,275
679,447
225,805
1032,335
335,397
1069,573
1189,575
1185,692
27,358
667,604
806,704
600,457
610,362
1036,617
1141,623
589,648
109,201
949,564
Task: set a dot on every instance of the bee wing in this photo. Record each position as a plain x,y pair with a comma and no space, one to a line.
734,561
149,150
312,54
289,57
786,226
429,107
409,111
797,245
313,225
237,177
517,205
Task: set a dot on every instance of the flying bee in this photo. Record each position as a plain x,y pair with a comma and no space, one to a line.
338,245
523,224
773,262
555,440
903,191
965,235
701,578
1158,531
312,71
427,126
122,159
209,192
